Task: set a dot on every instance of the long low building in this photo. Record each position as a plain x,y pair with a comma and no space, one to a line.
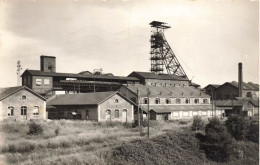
171,102
99,106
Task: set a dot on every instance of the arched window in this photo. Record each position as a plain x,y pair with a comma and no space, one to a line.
157,101
35,110
196,101
178,101
116,113
187,101
23,110
10,111
168,101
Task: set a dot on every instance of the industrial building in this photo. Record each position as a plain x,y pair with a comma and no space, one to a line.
21,103
99,106
169,95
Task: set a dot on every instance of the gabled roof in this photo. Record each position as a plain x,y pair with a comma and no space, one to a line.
151,75
213,85
167,91
72,75
83,98
246,86
6,92
255,102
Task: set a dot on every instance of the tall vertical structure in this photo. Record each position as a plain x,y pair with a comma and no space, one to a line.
162,56
18,73
48,63
240,79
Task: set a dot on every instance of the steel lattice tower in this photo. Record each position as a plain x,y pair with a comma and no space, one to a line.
162,55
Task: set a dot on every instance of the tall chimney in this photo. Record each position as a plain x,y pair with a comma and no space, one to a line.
240,79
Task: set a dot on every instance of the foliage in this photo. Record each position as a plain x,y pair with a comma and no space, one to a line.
237,126
218,143
35,129
198,124
171,148
57,131
253,132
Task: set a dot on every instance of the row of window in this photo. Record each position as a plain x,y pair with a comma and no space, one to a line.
108,113
177,101
23,110
39,81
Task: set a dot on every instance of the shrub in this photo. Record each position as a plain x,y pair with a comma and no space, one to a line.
237,126
198,124
35,129
253,132
218,144
57,131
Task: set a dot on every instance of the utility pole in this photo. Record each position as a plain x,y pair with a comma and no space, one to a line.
148,93
138,112
212,102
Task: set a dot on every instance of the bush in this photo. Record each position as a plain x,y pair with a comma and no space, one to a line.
57,131
198,124
253,132
237,126
35,129
218,144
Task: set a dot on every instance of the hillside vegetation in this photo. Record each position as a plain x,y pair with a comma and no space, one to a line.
82,142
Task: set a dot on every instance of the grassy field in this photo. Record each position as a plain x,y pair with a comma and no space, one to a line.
75,142
83,142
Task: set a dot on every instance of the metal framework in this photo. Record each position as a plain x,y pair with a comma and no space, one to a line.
162,55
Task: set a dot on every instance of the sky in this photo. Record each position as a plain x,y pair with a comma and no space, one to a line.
208,37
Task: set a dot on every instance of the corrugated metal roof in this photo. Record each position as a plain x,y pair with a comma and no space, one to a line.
150,75
171,108
167,91
80,98
72,75
5,92
228,103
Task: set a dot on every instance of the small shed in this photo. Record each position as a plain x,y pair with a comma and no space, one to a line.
98,106
21,103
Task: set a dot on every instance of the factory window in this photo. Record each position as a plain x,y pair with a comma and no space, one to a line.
187,101
10,111
23,110
168,101
38,81
87,113
117,113
178,101
116,100
205,101
196,101
35,110
157,101
145,100
46,81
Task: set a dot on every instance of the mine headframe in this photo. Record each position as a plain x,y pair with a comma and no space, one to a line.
162,55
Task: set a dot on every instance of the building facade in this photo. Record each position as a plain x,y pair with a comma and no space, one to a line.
99,106
21,103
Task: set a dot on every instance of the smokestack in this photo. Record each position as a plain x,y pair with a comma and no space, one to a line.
240,79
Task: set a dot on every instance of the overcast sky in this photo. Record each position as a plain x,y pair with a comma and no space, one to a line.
209,37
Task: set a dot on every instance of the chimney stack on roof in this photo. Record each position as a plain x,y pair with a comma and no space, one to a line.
240,79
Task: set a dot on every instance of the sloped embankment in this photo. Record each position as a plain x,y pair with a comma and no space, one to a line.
172,148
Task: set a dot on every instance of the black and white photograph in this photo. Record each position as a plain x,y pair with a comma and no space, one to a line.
129,82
